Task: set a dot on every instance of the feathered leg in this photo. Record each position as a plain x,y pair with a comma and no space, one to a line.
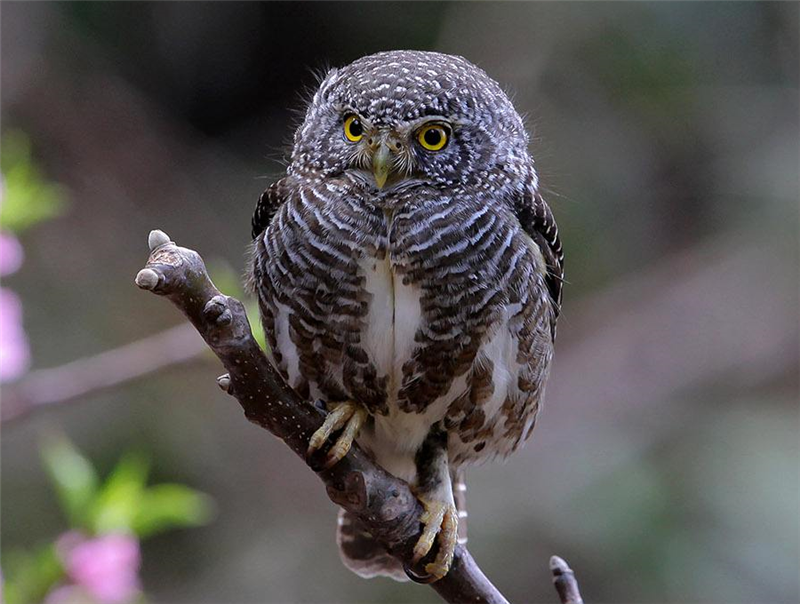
440,519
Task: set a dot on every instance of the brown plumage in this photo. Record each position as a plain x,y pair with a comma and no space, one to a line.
409,275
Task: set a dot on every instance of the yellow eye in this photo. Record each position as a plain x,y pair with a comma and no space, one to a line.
433,137
353,128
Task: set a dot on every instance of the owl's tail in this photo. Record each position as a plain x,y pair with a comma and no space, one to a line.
362,554
367,558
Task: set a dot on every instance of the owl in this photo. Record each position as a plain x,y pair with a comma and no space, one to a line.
409,274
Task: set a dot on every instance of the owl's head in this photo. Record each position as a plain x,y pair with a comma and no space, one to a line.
411,117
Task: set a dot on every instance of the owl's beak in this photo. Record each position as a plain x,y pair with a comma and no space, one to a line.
381,164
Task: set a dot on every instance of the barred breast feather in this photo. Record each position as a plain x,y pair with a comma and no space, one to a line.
425,307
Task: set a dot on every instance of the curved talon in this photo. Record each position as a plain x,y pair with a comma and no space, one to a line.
349,416
439,519
421,579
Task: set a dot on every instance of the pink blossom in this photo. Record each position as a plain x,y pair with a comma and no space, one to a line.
10,254
66,594
107,567
14,350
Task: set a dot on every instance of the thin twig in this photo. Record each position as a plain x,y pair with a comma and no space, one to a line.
383,503
565,582
72,381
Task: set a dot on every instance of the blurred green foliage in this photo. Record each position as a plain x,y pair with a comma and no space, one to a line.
123,503
75,479
28,197
28,576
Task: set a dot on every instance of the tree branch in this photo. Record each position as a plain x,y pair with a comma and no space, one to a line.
73,381
565,582
382,502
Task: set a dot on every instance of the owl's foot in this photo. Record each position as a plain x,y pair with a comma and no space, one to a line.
350,416
439,518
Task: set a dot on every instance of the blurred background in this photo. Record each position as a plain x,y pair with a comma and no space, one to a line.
665,465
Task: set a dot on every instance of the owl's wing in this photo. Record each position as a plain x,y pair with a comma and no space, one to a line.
538,222
269,202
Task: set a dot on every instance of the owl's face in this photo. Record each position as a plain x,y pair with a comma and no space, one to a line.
406,117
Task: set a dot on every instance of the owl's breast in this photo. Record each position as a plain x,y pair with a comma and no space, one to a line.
393,317
431,310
